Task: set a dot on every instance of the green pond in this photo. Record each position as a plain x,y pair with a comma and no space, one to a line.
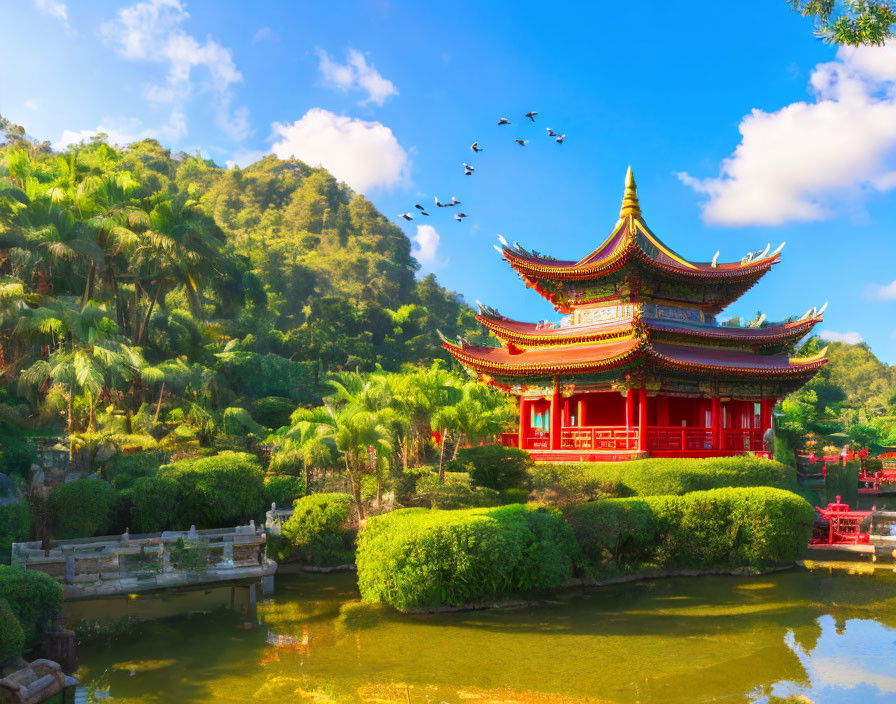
803,636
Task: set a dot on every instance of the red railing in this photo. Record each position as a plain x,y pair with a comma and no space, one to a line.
539,440
599,438
746,440
676,437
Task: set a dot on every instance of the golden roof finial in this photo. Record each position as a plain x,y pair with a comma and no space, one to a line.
630,205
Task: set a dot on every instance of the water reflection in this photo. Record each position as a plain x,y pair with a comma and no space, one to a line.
682,640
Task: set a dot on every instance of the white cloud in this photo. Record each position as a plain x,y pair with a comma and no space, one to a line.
356,74
245,157
124,131
885,292
425,247
264,33
54,9
803,161
364,154
151,31
850,338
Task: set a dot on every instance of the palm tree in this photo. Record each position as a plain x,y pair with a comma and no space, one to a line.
312,443
362,440
87,357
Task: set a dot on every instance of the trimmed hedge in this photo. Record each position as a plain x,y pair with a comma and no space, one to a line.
455,492
721,528
82,508
210,492
494,466
15,527
124,470
283,489
415,558
316,532
12,637
34,597
665,476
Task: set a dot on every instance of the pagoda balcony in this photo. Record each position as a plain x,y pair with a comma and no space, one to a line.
693,441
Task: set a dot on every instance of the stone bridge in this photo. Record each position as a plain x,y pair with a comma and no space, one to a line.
127,564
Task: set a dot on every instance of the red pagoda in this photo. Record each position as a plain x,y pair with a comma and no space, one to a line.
638,364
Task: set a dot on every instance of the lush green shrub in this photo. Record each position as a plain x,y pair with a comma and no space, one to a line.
82,508
124,470
210,492
455,492
494,466
282,489
514,496
217,491
153,503
34,597
18,453
416,558
12,637
286,462
239,422
569,484
316,532
724,528
257,375
664,476
273,411
873,464
15,527
843,482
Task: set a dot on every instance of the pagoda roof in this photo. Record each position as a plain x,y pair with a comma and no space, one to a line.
535,335
596,357
631,240
579,359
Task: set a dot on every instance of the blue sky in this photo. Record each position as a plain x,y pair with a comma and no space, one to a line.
741,127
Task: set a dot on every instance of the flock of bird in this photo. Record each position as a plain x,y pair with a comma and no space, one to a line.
469,170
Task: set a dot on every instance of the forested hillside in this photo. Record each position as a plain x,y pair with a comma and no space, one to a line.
852,399
136,272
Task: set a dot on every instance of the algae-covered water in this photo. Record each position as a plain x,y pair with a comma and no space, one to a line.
822,636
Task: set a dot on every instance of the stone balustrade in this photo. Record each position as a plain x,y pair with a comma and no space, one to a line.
126,563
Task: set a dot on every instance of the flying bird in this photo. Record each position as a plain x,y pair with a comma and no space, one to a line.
521,142
406,216
468,167
551,133
560,138
419,207
454,201
531,115
460,216
504,121
475,147
440,205
423,212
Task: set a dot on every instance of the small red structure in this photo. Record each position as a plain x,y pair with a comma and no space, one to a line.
639,364
837,525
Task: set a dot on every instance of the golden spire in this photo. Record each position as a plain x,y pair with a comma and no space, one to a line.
630,204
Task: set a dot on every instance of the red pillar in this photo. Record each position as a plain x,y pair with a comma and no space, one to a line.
629,409
642,419
525,414
766,413
555,417
716,423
